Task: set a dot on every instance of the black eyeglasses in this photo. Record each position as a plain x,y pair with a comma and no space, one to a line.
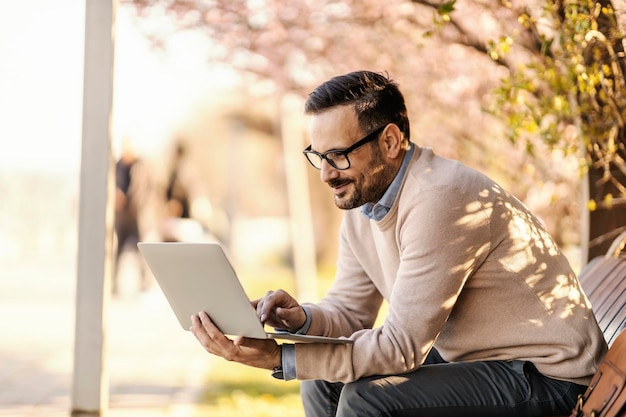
338,159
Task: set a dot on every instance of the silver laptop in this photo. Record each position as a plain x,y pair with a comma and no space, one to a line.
198,277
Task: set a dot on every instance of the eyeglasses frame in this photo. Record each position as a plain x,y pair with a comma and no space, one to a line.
323,156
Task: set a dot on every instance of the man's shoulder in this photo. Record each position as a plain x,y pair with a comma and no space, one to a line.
429,170
426,159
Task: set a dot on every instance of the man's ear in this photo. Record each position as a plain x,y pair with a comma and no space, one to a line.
392,141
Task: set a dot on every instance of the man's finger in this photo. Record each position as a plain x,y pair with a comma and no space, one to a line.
241,341
209,328
264,307
194,322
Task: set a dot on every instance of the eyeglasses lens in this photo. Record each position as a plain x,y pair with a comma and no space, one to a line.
314,159
337,160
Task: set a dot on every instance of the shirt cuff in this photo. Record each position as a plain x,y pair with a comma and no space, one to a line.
307,323
288,351
288,361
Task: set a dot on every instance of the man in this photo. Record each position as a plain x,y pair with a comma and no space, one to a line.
486,316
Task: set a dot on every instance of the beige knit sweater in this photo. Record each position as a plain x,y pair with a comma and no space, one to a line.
465,267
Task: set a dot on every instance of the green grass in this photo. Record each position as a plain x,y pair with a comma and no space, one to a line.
233,390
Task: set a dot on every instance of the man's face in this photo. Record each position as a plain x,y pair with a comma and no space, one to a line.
369,174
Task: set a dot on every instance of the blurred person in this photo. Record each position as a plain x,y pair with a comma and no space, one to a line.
180,180
485,315
188,210
134,216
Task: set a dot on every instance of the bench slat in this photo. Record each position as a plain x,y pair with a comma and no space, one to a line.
604,281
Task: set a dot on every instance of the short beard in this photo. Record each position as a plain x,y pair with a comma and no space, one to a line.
381,176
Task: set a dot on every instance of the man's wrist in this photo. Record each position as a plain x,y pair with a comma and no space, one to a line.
286,370
277,372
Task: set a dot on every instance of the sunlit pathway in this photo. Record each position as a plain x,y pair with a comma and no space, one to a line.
155,368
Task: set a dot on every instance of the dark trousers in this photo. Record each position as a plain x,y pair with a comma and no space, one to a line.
441,389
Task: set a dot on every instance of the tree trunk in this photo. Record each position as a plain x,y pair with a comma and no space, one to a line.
605,224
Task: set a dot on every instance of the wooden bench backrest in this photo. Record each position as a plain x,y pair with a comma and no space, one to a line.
604,281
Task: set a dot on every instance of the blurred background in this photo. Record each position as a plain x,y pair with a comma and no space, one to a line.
207,130
220,93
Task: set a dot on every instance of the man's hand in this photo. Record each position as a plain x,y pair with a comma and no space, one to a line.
280,310
259,353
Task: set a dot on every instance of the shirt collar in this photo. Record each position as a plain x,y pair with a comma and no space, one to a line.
381,208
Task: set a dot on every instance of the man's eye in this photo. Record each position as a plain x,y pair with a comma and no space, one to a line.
335,156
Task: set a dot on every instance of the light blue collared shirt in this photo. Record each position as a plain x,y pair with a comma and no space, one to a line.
381,208
372,211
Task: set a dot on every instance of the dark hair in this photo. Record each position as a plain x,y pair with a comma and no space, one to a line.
376,99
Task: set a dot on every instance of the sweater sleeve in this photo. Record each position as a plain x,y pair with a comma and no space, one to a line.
353,301
440,237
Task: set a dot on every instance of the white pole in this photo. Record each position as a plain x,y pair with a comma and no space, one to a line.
95,222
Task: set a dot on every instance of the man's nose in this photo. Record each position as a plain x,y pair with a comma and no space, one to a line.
327,171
